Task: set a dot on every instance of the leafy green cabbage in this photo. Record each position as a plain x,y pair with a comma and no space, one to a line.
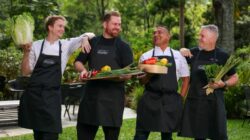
22,27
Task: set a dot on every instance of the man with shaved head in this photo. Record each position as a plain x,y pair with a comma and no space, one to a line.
160,107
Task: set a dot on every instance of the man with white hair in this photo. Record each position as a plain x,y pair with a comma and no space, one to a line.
204,115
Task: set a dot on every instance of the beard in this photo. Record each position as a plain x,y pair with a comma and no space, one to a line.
113,32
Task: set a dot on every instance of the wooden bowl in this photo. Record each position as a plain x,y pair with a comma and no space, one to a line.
155,69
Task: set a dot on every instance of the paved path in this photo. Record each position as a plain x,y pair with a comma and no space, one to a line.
15,131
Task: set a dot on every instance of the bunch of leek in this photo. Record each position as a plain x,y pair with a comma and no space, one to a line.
22,27
231,62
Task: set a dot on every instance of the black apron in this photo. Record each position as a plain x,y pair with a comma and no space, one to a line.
40,104
204,115
160,107
103,102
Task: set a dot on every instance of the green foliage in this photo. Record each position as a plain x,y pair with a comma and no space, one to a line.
234,95
39,9
136,95
86,19
244,73
141,43
243,68
10,59
242,23
70,75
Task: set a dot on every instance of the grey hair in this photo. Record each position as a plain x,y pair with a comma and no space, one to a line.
212,28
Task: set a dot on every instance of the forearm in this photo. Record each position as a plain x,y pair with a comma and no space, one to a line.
79,66
25,66
185,85
75,43
232,80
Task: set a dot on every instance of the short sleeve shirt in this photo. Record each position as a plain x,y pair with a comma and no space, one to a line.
182,69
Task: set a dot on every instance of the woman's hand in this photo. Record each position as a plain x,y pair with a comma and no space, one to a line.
85,45
85,42
26,47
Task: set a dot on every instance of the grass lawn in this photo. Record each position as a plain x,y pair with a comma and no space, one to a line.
235,132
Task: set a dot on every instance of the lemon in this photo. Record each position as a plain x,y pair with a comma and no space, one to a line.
164,61
106,68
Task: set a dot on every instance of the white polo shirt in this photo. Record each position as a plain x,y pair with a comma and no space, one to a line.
182,69
68,47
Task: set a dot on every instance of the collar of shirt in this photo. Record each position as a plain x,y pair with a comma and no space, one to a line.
159,52
51,49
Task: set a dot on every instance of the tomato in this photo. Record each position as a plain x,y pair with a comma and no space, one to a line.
151,61
94,73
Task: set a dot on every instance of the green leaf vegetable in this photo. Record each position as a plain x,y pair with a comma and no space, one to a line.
118,72
22,27
211,70
231,62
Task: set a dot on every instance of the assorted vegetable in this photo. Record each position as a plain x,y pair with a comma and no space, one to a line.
211,71
156,61
218,72
22,27
106,71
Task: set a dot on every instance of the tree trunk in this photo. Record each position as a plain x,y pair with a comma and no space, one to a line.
181,22
224,10
146,16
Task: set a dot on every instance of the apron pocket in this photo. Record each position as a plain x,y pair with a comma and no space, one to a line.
172,103
51,97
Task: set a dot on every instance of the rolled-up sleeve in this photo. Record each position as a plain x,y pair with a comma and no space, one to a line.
75,43
184,69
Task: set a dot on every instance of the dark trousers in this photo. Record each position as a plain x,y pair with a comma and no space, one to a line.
39,135
143,135
88,132
199,139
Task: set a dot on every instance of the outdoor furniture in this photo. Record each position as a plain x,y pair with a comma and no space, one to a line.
2,83
246,108
71,96
16,88
8,112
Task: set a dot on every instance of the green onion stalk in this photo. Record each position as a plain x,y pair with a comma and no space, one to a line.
231,62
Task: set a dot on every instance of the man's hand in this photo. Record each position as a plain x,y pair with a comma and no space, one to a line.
186,52
216,85
124,77
140,76
84,75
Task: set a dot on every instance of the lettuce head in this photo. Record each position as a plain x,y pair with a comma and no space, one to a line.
22,27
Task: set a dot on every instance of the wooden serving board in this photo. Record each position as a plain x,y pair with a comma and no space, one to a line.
113,76
155,69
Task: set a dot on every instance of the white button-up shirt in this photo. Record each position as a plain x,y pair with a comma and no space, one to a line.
68,47
182,69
